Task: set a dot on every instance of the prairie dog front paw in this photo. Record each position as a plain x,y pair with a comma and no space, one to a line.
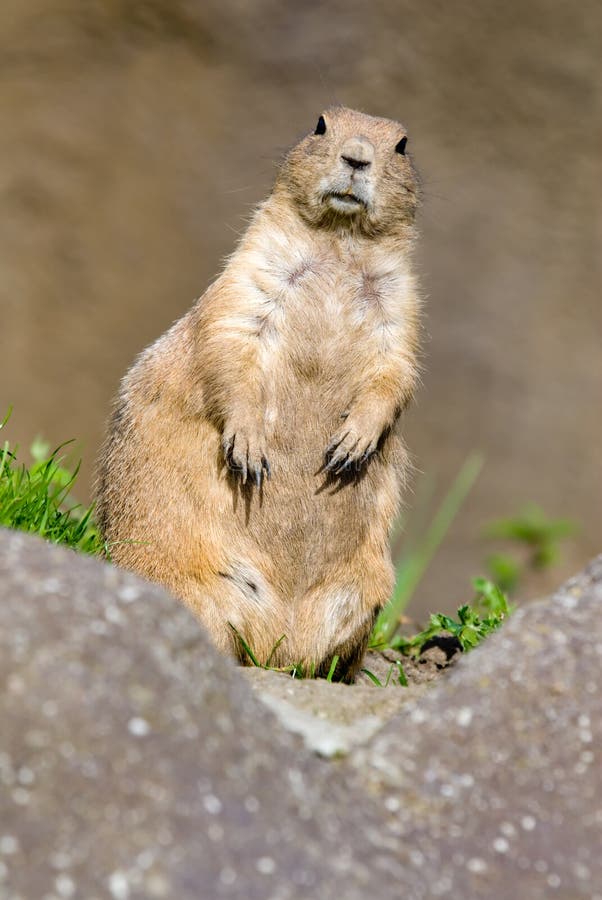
245,451
353,444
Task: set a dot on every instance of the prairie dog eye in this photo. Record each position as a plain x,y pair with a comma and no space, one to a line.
401,146
321,126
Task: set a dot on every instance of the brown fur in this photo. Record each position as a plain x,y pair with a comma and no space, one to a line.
301,354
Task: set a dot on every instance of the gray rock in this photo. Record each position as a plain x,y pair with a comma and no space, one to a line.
331,718
136,763
495,777
334,718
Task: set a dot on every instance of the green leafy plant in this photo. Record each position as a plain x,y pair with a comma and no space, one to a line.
38,498
505,571
535,536
474,621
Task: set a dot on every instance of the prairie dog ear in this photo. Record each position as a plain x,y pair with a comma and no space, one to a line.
400,147
321,126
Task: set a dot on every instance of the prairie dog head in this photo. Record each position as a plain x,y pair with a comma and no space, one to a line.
352,172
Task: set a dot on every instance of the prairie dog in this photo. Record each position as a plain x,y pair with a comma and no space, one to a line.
254,463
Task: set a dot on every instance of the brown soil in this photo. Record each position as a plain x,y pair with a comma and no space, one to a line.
439,655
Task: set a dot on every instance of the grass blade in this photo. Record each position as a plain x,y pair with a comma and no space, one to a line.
273,650
374,679
245,646
402,677
410,570
333,666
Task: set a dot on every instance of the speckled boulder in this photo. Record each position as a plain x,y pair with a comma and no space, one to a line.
136,763
495,777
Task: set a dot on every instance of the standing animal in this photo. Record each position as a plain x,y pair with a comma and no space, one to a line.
254,462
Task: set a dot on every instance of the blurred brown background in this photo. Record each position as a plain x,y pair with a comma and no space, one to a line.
136,135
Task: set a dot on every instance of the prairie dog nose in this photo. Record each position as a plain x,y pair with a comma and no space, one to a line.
358,153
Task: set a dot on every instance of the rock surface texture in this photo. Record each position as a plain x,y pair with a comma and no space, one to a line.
136,763
495,778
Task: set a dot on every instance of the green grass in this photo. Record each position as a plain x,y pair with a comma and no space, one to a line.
396,667
37,499
296,670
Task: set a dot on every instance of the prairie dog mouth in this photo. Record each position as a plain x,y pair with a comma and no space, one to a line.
345,203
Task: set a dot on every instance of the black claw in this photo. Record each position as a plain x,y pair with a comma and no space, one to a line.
336,462
364,458
334,444
332,464
258,477
265,465
344,466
